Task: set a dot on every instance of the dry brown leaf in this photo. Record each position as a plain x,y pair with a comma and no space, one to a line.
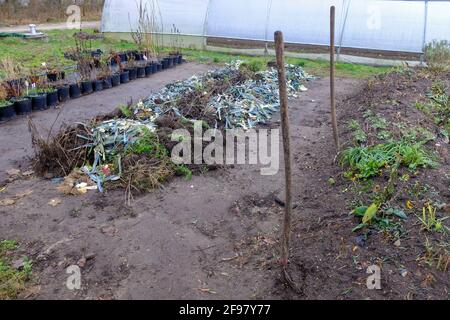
13,172
31,292
55,202
206,290
7,202
23,194
28,173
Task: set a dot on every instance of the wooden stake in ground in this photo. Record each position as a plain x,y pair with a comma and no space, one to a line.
279,46
332,78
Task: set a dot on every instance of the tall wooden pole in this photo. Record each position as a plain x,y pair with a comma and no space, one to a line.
332,78
279,47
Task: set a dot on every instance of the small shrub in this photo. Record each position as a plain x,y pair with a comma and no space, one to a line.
437,54
254,65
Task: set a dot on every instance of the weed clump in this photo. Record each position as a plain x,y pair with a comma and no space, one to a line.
437,55
12,280
369,161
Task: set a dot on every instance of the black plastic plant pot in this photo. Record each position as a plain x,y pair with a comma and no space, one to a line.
39,102
141,72
115,80
87,87
125,77
23,106
74,91
180,59
154,67
148,70
7,112
165,64
123,57
52,77
107,83
138,56
52,99
159,67
63,93
132,73
98,85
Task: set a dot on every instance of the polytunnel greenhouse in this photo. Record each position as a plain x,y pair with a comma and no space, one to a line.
397,25
263,152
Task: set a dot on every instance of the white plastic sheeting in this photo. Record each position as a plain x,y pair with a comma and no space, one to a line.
395,25
187,16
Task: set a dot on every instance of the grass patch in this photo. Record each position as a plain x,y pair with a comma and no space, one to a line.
12,281
316,67
32,53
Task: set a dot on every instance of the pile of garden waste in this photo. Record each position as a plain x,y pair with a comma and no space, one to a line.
226,98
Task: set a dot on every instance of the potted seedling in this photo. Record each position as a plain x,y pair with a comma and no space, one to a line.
143,37
53,73
14,85
132,67
62,88
81,53
105,74
36,92
7,110
49,87
119,75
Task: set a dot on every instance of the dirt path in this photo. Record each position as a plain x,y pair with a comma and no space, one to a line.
215,236
15,144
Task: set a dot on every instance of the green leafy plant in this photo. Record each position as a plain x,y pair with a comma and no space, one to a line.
147,144
369,161
429,220
184,170
359,136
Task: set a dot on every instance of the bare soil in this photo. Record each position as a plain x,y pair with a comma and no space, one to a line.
213,237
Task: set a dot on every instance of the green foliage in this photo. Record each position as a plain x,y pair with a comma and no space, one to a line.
184,170
385,220
437,54
359,136
438,107
367,162
12,280
147,144
7,245
126,111
429,220
254,65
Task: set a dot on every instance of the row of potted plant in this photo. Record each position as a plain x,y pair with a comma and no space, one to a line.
22,95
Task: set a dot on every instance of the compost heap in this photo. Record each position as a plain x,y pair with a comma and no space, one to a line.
132,150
